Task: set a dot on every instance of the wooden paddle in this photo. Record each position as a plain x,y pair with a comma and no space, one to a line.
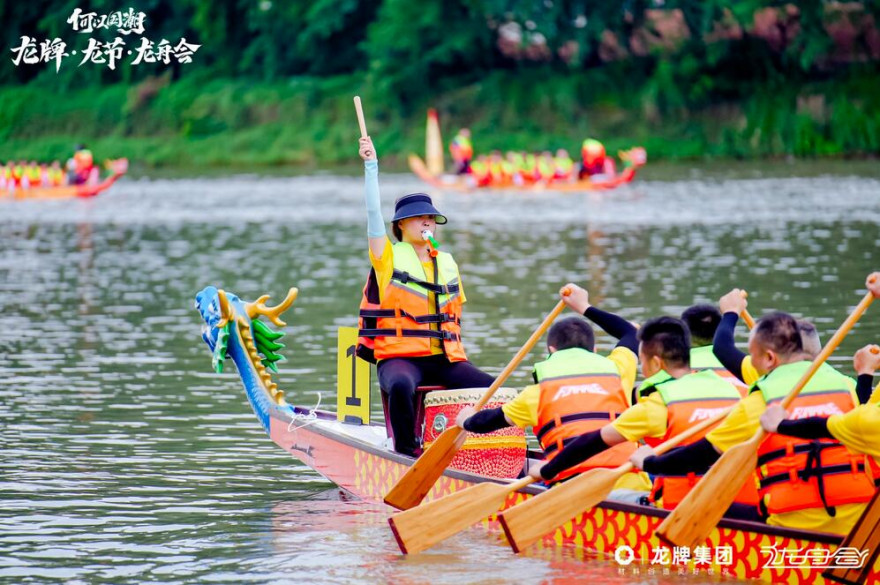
749,320
424,526
360,115
529,521
865,536
697,514
418,479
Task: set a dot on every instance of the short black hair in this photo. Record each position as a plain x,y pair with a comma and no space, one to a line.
395,229
702,321
571,332
779,332
668,338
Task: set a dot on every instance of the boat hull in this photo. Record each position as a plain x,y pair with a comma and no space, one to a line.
459,183
358,463
63,192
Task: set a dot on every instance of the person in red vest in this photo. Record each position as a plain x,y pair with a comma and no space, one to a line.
462,151
83,170
594,162
410,316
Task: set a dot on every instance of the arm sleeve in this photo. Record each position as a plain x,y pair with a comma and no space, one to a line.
615,326
697,457
575,452
863,387
375,225
724,346
486,421
806,428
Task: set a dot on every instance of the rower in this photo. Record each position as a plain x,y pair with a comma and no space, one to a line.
818,487
702,322
462,151
671,399
576,391
594,163
412,305
564,166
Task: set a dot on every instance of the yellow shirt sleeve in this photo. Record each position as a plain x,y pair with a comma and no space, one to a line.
741,424
627,364
858,429
383,266
875,396
523,410
750,374
648,418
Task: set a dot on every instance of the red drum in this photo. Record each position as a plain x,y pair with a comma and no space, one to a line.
500,453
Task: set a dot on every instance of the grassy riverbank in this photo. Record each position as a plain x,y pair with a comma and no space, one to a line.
309,123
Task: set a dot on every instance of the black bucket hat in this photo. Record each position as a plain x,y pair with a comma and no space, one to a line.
416,204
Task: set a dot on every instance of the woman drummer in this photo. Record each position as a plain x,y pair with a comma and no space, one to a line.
411,311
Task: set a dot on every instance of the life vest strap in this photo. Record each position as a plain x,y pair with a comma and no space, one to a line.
420,319
554,446
811,447
437,289
443,335
571,418
806,474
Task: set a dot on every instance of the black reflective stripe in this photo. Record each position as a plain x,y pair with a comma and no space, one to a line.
571,418
421,319
439,289
444,335
798,449
806,474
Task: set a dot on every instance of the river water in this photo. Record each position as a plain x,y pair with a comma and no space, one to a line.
124,459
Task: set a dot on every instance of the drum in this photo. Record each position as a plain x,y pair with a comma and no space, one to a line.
500,453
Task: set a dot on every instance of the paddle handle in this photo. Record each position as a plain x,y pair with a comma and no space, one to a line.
523,352
519,484
746,316
360,115
829,348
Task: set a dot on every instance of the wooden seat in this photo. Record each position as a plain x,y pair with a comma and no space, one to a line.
419,410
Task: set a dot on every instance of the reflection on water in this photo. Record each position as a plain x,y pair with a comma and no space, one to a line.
125,459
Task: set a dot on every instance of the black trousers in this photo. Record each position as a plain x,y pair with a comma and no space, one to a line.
399,378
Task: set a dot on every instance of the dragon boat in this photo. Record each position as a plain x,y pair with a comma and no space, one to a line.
430,170
356,457
117,167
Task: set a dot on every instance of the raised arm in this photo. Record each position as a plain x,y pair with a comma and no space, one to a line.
375,225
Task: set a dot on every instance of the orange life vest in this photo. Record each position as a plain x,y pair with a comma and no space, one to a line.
403,323
461,148
690,400
580,392
798,474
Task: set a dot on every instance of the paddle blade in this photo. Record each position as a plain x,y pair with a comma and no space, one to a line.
525,523
865,536
415,484
690,523
424,526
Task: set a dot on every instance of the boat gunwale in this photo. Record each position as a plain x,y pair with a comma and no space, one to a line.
283,414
